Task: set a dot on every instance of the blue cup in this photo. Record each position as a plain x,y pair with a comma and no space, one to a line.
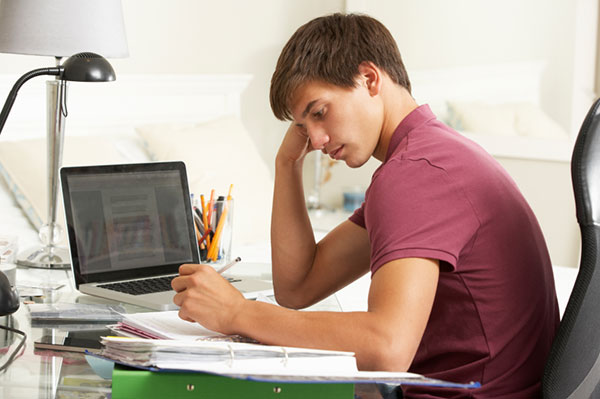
353,199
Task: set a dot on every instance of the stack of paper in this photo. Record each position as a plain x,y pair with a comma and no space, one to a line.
71,312
251,361
168,325
224,357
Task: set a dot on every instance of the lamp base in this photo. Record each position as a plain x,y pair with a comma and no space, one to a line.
45,257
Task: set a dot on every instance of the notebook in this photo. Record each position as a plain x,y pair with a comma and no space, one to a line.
130,227
74,341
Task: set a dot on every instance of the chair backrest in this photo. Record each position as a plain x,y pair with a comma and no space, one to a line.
573,366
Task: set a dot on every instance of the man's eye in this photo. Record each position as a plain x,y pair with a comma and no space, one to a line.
319,114
302,129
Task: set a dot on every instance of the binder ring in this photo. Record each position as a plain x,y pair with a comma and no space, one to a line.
285,356
231,356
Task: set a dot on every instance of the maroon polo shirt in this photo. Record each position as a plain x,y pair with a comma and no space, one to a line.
439,195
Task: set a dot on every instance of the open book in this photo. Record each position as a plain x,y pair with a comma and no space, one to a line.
251,361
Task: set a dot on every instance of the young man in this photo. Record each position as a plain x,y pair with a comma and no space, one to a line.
462,286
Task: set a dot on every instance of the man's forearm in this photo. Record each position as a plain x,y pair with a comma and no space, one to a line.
385,337
358,332
292,239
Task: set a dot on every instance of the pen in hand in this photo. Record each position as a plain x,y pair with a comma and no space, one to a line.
230,264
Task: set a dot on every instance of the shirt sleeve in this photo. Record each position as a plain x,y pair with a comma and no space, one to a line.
414,209
358,217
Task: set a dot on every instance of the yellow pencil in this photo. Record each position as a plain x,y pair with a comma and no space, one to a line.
205,219
214,247
213,250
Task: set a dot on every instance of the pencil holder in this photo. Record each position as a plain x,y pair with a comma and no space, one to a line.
217,249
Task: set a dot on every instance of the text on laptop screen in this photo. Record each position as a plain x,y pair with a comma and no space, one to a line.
129,220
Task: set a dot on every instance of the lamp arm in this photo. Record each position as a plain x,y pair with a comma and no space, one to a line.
55,71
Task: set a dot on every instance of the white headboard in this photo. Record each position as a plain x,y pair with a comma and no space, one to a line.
131,100
493,84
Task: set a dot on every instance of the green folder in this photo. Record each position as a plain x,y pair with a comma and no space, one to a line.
135,383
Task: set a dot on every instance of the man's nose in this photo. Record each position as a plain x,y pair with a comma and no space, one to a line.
318,138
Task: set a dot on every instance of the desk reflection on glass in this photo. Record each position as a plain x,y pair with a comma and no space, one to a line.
46,374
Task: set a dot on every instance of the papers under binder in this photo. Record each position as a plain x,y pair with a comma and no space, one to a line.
225,357
252,362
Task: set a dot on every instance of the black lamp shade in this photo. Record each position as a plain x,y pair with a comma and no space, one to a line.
87,67
81,67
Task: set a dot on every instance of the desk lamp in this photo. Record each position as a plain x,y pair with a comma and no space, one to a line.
60,28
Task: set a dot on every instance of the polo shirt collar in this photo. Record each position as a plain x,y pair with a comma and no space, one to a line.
417,117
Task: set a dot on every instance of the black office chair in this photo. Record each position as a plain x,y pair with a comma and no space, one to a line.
573,366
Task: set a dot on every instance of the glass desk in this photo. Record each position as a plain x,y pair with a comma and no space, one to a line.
46,374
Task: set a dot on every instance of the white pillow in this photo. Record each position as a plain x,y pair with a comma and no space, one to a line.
507,119
497,120
217,154
531,121
23,166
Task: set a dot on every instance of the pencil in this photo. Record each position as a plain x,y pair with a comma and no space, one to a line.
214,246
229,265
205,220
211,204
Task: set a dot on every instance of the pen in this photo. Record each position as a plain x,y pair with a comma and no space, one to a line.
219,207
199,223
230,264
198,235
205,220
205,235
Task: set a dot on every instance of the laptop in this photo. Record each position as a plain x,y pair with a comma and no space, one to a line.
130,227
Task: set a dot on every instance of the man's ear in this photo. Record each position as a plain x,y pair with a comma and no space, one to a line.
371,76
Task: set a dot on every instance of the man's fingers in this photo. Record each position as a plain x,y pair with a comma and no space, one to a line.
188,268
183,315
191,275
178,299
179,283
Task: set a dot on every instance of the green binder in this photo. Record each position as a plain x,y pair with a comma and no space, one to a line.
131,383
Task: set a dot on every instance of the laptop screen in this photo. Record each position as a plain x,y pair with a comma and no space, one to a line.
128,221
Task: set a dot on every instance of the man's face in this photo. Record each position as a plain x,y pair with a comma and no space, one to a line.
344,123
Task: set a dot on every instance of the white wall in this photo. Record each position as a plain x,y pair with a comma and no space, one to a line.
547,187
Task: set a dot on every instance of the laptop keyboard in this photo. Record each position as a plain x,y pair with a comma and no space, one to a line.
147,286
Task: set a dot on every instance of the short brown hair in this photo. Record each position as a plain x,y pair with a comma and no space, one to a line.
330,49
